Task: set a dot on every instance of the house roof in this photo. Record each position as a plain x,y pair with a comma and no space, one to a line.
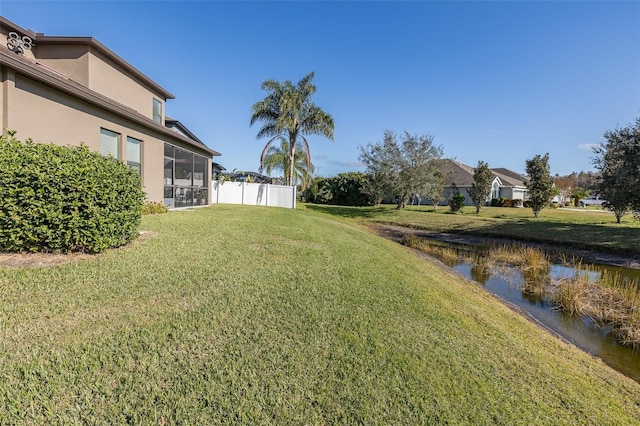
510,178
217,166
45,75
180,129
458,173
40,39
462,175
256,176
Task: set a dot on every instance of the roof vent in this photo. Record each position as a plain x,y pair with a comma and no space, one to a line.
18,44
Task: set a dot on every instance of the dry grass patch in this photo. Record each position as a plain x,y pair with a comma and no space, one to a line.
44,260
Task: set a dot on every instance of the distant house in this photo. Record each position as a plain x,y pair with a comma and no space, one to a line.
73,90
506,183
241,176
216,169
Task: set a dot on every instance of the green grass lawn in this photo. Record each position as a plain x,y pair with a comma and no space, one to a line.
588,229
247,315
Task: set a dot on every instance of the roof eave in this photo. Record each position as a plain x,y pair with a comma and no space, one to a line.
87,95
95,44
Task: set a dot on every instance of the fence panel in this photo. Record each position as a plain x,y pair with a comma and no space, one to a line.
255,194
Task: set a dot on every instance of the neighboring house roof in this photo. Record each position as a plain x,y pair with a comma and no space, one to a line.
462,175
256,177
458,173
217,166
59,81
510,178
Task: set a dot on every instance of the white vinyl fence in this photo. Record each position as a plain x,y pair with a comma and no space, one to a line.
254,194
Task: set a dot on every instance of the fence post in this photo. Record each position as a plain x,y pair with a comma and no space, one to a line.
295,188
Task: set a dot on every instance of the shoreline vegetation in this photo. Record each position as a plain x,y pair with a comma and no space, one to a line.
611,300
238,314
565,228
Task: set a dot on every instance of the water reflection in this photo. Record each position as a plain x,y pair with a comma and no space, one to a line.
479,272
523,288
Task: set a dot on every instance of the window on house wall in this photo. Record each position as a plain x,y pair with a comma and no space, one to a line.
134,154
109,143
157,111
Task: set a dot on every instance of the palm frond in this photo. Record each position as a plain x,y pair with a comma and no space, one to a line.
288,111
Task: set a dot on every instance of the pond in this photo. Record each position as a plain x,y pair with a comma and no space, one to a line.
506,282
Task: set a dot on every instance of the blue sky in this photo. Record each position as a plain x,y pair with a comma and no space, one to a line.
493,81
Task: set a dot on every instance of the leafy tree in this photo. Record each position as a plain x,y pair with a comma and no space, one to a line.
586,180
456,200
618,161
481,186
374,187
577,194
540,183
434,190
575,182
344,189
277,158
288,111
403,166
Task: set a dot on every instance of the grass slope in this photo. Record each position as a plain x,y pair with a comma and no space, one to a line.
270,316
592,230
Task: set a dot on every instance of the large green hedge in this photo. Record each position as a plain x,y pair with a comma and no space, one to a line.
344,189
61,199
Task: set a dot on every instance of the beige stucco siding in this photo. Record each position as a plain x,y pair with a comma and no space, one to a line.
47,115
106,79
72,61
66,89
6,80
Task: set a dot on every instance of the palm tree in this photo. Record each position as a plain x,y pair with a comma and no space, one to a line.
288,111
277,158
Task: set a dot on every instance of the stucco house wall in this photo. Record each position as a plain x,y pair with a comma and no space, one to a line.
86,93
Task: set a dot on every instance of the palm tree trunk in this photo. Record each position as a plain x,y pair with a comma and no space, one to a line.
292,153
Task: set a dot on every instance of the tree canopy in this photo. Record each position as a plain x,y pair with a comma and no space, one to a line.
289,111
481,186
344,189
618,161
540,183
403,165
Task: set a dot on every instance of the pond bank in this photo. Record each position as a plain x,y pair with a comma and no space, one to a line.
596,337
395,233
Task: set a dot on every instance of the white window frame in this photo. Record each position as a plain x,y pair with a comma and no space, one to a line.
136,165
157,110
107,139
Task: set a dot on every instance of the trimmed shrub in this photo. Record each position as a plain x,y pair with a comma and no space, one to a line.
456,201
497,202
154,207
62,199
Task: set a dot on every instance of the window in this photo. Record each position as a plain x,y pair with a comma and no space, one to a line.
157,111
134,154
109,143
